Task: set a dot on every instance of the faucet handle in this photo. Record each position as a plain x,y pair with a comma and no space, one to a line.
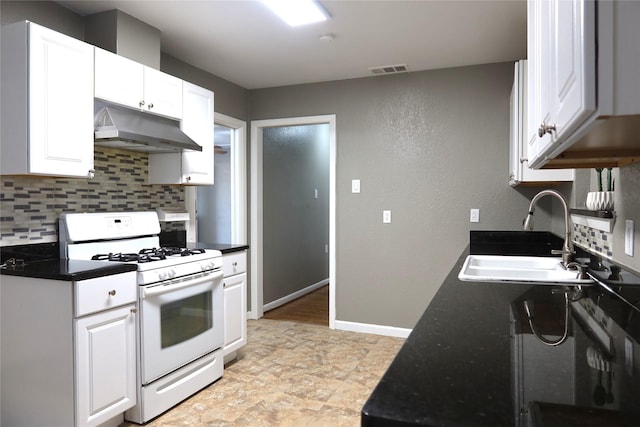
582,269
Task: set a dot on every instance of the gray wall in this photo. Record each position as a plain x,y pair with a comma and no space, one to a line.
45,13
428,146
295,223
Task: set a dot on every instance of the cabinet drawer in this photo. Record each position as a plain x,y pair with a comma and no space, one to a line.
234,263
103,293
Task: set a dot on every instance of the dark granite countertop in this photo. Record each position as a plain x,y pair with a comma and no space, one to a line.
473,360
179,239
225,248
41,261
67,270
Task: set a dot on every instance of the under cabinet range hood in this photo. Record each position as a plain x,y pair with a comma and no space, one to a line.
120,127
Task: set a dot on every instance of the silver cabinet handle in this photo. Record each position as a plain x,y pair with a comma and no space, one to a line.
141,103
112,292
134,310
545,128
150,106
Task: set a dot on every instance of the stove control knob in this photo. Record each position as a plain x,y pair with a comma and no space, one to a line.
172,273
162,275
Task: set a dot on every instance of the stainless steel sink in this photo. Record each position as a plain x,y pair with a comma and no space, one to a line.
518,269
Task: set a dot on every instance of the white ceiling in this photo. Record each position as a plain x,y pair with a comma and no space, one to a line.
243,42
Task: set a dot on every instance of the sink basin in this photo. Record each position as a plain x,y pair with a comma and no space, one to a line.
518,269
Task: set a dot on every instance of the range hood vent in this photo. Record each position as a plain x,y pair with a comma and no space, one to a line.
119,127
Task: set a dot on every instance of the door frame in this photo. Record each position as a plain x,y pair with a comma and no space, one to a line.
238,184
256,279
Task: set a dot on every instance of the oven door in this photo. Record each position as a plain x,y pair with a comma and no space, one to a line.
181,320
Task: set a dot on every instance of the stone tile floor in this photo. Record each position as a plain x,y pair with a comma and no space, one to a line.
290,374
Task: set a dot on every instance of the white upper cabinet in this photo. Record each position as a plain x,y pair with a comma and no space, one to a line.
584,108
519,170
562,69
189,167
47,103
118,79
129,83
572,59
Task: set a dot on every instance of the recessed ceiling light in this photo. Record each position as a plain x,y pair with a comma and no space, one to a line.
298,12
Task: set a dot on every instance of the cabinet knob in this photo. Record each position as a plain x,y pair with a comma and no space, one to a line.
112,292
92,173
150,106
235,263
141,104
545,128
134,310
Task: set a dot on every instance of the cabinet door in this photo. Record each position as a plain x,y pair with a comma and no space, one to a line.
105,350
60,104
235,312
573,62
189,167
197,123
519,166
162,93
118,79
538,73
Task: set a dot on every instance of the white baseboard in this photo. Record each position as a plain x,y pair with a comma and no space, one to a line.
389,331
277,303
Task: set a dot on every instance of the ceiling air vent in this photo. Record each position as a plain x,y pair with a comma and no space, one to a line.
389,69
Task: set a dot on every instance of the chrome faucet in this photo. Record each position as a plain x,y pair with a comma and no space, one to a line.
567,248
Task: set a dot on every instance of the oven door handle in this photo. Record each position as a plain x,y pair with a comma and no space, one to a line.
175,285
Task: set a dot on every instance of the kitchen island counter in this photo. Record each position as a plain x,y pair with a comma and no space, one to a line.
472,360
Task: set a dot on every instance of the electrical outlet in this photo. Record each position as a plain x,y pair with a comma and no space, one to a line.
475,215
628,237
355,185
386,217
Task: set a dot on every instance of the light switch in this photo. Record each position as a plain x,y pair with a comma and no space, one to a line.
475,215
355,185
386,217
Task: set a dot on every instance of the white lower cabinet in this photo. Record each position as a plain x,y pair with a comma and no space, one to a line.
235,303
67,361
105,351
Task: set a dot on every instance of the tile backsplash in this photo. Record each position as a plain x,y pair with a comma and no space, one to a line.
30,205
596,241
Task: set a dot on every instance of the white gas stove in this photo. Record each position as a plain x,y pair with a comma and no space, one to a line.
181,303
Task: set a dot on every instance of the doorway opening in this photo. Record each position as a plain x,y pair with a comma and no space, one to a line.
221,209
258,209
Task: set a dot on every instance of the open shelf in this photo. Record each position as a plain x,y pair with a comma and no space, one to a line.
600,220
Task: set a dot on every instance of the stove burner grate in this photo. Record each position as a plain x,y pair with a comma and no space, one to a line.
147,255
